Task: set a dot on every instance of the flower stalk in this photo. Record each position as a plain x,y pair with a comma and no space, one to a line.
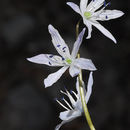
80,78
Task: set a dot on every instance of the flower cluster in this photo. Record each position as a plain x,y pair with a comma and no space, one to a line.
91,13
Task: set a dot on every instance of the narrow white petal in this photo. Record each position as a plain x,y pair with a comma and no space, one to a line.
86,64
89,87
74,7
77,44
74,71
103,30
70,117
47,59
58,42
108,15
83,5
52,78
89,26
94,5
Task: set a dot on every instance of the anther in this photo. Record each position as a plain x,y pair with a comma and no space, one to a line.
63,58
50,56
63,48
106,17
104,3
55,99
62,98
58,45
50,63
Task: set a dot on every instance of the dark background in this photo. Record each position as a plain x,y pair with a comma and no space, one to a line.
24,102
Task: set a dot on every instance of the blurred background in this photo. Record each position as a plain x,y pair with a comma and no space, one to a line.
24,102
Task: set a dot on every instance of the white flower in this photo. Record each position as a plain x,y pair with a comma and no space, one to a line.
75,109
66,59
93,12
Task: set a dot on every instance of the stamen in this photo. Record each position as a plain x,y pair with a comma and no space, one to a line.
63,48
106,17
71,92
62,105
50,63
65,88
67,104
55,99
50,56
70,97
58,45
63,58
62,98
75,94
104,3
63,92
109,3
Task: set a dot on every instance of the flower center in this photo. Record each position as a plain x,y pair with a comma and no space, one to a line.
87,15
69,61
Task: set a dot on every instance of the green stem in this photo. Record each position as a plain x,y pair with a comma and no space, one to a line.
86,112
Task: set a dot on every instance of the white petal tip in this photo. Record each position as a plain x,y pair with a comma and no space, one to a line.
27,59
88,37
30,59
114,40
46,84
50,26
122,13
68,3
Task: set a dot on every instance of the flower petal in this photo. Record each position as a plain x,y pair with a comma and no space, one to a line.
108,14
58,42
94,5
68,116
47,59
52,78
77,44
89,87
86,64
74,7
103,30
89,26
74,71
83,5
